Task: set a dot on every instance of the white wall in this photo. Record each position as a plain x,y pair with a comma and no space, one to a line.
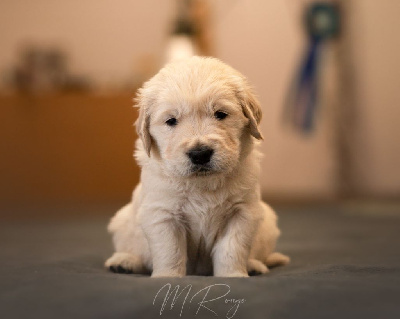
106,38
375,27
109,39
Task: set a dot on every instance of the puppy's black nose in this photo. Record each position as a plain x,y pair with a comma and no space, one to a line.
200,155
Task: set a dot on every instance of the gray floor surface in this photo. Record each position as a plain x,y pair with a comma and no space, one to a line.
345,264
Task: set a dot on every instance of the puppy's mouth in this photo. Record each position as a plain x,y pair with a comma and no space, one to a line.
202,170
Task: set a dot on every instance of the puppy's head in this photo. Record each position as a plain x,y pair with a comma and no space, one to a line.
197,117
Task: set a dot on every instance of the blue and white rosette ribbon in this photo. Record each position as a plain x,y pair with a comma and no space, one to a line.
322,23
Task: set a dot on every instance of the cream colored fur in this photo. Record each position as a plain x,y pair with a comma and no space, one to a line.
182,221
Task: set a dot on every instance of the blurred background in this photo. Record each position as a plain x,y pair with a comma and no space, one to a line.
327,75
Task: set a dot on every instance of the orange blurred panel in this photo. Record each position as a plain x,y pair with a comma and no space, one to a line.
67,147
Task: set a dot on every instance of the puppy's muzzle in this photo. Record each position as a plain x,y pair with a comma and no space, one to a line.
200,155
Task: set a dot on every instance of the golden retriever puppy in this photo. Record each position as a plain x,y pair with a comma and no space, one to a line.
198,208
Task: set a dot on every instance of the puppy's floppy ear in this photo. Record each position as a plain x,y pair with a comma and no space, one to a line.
143,122
251,109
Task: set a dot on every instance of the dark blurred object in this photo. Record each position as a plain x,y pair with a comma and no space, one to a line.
184,26
41,69
190,32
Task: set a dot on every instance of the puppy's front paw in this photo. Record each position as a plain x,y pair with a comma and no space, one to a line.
236,274
177,272
167,274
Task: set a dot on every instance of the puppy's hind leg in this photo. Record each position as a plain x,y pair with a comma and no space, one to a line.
255,267
277,259
126,263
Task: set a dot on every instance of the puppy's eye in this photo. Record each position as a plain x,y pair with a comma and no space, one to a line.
219,115
171,122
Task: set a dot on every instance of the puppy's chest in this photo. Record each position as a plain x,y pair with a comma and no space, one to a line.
205,217
205,206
